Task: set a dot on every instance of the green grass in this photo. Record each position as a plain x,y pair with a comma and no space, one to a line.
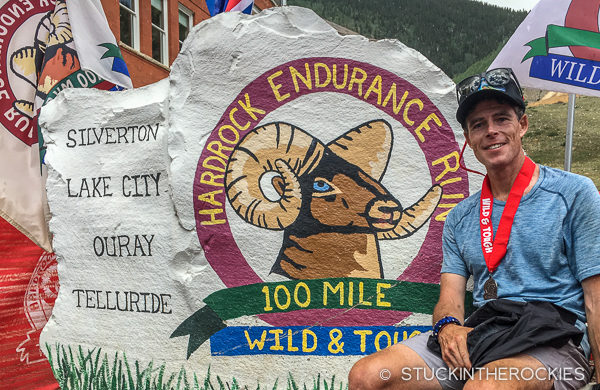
545,140
92,370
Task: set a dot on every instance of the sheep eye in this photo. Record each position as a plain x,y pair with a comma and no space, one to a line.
321,186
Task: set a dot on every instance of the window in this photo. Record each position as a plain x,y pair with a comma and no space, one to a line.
128,16
159,31
186,20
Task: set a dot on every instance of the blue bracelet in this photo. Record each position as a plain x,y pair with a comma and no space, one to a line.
443,322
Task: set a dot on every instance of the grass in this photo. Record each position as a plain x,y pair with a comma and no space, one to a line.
93,370
545,140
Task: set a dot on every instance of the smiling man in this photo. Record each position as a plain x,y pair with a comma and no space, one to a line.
530,241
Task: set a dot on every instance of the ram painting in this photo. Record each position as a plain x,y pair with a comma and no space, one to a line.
329,201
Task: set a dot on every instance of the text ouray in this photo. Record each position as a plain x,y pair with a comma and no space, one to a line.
123,245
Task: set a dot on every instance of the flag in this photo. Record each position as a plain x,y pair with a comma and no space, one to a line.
43,58
218,6
28,289
244,6
557,47
95,43
44,50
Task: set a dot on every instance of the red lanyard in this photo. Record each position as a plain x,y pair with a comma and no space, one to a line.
494,249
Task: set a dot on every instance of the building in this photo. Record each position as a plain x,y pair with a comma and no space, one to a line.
150,32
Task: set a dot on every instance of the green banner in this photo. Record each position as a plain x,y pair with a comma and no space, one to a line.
281,297
559,36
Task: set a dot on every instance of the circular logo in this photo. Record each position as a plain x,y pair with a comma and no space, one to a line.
20,28
42,291
40,295
241,123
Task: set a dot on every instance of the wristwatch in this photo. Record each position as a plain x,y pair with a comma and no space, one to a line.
443,322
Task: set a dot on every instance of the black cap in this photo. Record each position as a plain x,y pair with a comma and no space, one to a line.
510,91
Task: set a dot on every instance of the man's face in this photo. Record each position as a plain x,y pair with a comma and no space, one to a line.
494,133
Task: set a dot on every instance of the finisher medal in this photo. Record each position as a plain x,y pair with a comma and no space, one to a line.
494,248
490,289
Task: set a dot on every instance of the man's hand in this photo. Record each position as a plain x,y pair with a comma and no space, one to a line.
453,343
452,337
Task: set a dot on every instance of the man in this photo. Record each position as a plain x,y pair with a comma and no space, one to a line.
545,249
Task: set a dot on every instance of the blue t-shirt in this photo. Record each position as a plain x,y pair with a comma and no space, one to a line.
554,242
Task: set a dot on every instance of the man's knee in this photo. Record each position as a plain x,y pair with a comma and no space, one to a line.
471,385
385,369
366,374
485,385
518,372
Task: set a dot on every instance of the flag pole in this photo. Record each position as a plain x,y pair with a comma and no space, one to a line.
569,140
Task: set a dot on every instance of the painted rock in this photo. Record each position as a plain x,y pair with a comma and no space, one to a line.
272,211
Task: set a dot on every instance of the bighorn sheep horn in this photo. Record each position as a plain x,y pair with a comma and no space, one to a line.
275,147
415,216
368,146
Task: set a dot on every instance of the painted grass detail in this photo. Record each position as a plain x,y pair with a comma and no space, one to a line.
75,369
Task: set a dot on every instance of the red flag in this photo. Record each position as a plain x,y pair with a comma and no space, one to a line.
28,288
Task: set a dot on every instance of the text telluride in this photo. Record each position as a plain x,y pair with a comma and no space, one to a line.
131,301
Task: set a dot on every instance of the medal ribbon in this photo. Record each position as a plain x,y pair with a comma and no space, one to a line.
494,249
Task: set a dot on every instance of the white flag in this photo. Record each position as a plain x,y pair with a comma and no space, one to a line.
557,47
46,54
95,43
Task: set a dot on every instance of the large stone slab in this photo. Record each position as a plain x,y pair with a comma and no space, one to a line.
275,208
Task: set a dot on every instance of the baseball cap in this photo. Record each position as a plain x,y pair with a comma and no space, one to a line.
499,82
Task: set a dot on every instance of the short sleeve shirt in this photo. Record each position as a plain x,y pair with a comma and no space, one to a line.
554,243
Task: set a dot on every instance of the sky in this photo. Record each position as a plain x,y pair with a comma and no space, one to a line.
514,4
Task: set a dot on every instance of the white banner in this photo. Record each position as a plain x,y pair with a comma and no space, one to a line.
557,47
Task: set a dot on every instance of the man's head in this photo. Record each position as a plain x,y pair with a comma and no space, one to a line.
491,111
494,131
499,84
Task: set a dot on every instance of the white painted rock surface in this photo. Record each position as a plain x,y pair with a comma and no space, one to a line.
275,208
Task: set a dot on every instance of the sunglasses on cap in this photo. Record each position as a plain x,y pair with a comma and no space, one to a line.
497,79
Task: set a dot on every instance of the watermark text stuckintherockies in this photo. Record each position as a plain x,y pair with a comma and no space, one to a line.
484,373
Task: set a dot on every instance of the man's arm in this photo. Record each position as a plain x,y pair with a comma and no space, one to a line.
453,338
591,295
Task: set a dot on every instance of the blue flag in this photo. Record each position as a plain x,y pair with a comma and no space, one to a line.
218,6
